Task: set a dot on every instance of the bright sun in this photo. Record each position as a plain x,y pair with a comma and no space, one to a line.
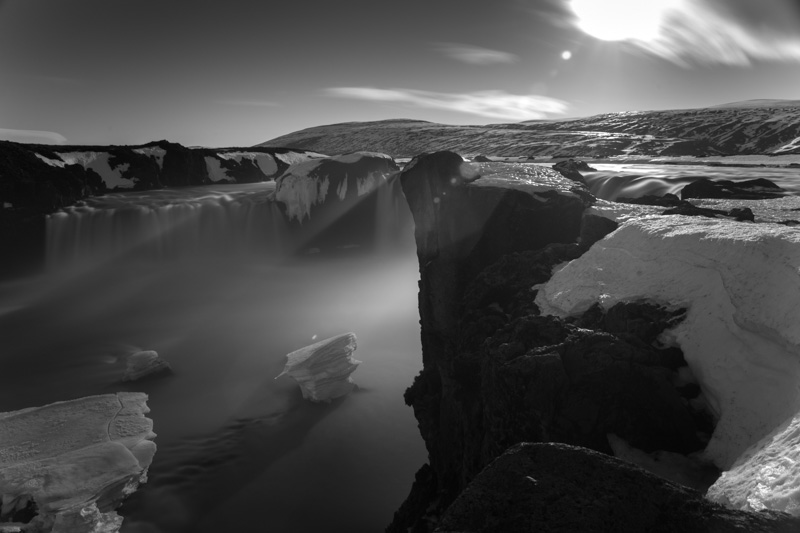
619,20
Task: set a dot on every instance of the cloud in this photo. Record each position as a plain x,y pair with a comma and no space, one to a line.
492,104
249,103
32,136
474,55
729,32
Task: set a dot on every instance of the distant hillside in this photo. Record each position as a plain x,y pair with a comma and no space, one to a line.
751,127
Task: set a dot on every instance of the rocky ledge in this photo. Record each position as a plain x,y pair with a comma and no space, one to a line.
609,374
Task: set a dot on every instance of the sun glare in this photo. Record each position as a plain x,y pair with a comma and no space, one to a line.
620,20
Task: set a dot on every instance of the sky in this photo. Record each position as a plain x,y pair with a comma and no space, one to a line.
241,72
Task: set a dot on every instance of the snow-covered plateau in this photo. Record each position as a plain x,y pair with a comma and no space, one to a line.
740,283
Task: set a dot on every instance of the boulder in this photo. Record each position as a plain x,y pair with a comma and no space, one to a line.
66,466
755,189
144,363
481,159
323,369
559,488
570,169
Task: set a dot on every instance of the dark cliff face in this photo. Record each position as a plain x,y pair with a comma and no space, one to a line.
496,372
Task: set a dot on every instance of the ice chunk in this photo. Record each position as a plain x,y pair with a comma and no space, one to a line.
144,363
323,369
71,463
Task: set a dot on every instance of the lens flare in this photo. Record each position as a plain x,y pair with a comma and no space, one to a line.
621,20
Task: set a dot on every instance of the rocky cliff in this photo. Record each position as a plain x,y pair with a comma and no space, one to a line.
498,372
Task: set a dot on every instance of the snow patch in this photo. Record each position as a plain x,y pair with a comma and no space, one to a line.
299,193
98,161
215,171
766,476
740,283
155,152
51,162
293,158
263,161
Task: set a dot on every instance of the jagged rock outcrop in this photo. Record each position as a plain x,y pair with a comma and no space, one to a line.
66,466
570,169
560,488
323,369
341,201
495,372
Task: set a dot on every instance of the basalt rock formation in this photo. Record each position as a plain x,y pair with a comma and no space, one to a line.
496,372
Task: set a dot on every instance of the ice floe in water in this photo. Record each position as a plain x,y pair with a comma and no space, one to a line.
323,369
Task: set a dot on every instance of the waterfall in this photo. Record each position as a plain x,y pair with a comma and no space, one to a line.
171,224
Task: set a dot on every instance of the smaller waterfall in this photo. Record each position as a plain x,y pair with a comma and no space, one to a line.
169,224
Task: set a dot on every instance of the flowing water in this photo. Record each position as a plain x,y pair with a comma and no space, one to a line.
617,180
199,276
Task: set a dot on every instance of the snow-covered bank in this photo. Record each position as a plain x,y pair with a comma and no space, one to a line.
740,283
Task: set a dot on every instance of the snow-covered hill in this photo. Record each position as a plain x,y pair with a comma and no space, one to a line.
763,127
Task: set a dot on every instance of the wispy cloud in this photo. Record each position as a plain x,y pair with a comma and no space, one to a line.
492,104
249,103
32,136
730,32
474,55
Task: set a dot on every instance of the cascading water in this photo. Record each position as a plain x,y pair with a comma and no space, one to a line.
614,181
169,224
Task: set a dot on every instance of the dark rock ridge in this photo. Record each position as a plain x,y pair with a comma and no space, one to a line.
763,128
496,372
755,189
684,207
570,169
561,488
